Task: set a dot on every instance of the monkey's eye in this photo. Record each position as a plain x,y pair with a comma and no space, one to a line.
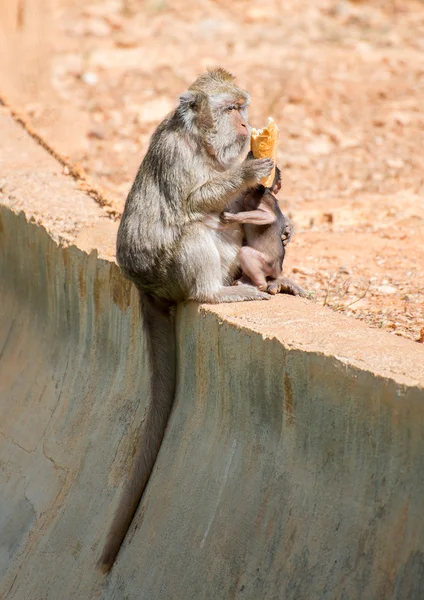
232,107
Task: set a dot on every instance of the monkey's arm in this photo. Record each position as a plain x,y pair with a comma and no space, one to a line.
217,193
260,216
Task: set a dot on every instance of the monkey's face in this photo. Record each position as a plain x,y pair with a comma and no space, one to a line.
231,138
238,118
215,109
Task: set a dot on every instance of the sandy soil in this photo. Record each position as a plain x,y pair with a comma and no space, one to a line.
344,80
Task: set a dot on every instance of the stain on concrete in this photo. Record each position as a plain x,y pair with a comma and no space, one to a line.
121,288
82,283
288,400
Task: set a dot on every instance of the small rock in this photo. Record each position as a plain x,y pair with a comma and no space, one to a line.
347,143
89,78
356,185
319,147
97,28
364,49
386,289
211,27
100,9
344,270
401,118
34,109
303,271
96,133
114,20
394,163
257,14
127,41
116,117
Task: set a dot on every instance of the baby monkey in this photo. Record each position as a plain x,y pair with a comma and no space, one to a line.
266,233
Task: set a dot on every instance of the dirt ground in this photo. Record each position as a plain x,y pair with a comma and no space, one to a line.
344,81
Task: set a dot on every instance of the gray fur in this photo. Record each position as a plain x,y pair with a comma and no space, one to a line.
193,169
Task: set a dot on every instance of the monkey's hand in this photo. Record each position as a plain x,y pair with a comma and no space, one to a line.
227,217
288,232
256,169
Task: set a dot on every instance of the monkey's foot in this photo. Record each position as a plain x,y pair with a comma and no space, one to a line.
240,293
273,288
285,286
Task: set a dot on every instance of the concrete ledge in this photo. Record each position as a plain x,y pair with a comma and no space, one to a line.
292,466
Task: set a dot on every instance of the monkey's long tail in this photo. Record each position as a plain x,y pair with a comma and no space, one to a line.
159,327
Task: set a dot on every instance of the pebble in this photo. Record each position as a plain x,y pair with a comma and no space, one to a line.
386,289
89,78
319,147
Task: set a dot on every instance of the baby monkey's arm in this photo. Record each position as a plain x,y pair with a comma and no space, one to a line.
263,215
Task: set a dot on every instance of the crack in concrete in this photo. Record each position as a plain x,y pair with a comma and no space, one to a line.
15,443
49,458
55,464
31,504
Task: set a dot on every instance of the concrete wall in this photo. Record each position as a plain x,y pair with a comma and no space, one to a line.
286,473
292,467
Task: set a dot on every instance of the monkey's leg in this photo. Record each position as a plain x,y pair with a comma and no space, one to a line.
205,271
254,265
238,293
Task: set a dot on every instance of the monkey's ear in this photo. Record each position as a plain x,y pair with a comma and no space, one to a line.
197,102
188,99
194,100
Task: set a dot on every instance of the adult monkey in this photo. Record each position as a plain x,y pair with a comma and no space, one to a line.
193,169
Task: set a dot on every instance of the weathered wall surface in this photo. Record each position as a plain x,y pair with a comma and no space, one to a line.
284,473
292,465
